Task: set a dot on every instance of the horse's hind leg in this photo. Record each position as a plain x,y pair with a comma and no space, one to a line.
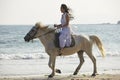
80,55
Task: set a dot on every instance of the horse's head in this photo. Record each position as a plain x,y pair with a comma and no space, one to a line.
35,32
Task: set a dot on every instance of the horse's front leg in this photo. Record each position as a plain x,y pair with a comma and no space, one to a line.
51,64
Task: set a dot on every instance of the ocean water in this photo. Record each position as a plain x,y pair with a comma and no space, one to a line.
13,46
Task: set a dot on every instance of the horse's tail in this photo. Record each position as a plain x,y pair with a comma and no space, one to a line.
98,42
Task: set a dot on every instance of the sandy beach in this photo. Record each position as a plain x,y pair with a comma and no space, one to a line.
108,69
65,77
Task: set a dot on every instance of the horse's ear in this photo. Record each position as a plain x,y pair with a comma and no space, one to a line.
39,24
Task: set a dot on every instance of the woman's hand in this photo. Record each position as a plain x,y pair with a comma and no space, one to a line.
55,25
58,26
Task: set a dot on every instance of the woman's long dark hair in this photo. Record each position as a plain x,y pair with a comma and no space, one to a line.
67,10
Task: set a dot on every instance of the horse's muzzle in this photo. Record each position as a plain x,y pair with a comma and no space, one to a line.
26,38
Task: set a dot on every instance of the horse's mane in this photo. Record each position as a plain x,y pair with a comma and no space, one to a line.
50,29
40,25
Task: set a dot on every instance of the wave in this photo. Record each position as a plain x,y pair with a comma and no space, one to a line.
43,55
2,42
22,56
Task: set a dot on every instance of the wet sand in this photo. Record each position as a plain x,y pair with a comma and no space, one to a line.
65,77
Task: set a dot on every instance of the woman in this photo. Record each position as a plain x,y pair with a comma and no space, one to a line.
65,33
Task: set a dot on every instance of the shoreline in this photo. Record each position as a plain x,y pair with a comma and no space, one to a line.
64,77
102,75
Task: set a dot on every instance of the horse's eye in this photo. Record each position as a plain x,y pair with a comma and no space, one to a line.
33,29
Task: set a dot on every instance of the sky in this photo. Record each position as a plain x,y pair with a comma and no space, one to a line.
48,11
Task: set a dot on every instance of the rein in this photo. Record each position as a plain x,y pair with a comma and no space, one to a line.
47,33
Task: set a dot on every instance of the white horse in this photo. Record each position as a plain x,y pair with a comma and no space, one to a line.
82,44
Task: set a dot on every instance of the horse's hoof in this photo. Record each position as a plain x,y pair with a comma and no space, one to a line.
58,71
75,73
93,75
50,76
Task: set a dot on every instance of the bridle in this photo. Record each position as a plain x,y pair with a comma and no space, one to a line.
42,34
46,33
34,28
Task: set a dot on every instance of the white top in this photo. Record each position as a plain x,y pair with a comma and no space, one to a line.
63,22
63,19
